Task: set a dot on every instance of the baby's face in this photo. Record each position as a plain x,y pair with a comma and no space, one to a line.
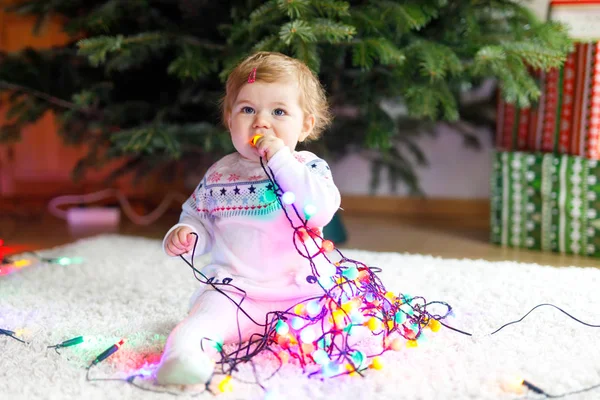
267,109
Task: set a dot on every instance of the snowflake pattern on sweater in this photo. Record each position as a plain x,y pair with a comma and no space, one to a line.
229,190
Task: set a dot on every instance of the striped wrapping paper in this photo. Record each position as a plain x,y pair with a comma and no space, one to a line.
514,124
566,119
546,202
552,104
586,107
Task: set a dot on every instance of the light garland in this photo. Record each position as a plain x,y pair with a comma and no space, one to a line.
10,266
320,332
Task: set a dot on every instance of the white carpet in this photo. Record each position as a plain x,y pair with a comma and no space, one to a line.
127,288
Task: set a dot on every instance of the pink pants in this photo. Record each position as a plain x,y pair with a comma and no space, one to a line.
217,318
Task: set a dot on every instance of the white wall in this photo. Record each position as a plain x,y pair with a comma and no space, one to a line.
454,170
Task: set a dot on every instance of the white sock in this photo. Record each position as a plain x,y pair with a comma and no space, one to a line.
183,361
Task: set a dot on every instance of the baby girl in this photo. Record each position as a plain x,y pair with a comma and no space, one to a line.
271,103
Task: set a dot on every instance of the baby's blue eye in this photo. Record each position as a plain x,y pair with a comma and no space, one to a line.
279,112
247,110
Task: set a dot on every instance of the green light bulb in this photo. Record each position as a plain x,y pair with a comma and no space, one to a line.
270,196
309,210
64,261
282,328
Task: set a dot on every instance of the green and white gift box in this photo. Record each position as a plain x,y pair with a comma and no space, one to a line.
546,201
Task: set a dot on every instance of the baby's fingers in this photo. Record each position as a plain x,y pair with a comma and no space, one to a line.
184,237
172,250
261,148
176,243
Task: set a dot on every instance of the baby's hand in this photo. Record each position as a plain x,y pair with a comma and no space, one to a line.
268,145
180,241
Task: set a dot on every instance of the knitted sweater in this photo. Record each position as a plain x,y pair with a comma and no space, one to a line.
240,221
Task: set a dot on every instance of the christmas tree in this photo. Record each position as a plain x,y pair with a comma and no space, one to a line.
141,79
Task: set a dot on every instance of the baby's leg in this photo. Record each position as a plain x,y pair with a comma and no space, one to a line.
189,351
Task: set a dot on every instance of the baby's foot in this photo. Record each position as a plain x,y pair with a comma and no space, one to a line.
191,368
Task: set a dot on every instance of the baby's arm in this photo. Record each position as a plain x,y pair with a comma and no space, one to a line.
309,178
194,217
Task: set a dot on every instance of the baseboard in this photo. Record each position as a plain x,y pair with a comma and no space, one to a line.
393,206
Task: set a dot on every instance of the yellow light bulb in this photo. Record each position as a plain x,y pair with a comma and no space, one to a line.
373,324
21,263
513,384
339,317
376,363
299,309
225,385
434,325
350,368
350,306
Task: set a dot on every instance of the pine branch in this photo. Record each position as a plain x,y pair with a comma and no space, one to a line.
44,96
192,63
535,55
270,7
380,128
331,8
387,52
148,139
423,101
405,142
100,19
363,55
197,42
366,52
169,139
296,30
97,48
447,101
131,47
405,17
294,8
307,52
518,86
367,20
332,32
437,61
269,43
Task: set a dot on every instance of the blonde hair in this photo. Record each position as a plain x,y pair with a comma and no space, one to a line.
273,67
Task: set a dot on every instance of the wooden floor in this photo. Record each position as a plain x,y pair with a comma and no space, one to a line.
449,239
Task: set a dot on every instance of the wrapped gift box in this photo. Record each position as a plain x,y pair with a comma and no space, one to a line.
566,119
547,202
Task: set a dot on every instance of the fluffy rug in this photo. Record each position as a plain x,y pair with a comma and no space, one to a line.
127,288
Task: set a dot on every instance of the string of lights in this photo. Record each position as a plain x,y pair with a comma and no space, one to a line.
318,331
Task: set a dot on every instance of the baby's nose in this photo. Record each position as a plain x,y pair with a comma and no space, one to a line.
261,122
